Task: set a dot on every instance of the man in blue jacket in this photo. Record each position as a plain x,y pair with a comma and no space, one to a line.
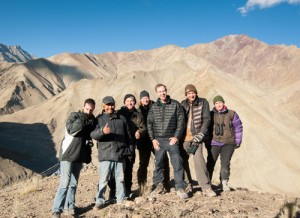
75,150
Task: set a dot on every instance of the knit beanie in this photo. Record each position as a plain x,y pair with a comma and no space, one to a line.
144,93
218,98
190,88
129,96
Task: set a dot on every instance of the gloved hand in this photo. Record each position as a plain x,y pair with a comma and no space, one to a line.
193,148
198,138
237,146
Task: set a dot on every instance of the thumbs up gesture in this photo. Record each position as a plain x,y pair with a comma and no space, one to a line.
106,129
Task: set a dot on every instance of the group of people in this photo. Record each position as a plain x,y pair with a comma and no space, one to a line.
166,128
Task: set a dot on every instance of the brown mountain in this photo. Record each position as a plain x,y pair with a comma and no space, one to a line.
259,81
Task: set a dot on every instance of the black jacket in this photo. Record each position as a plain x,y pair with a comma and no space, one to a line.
75,146
117,144
135,122
166,120
144,142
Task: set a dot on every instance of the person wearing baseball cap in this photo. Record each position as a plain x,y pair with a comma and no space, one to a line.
114,145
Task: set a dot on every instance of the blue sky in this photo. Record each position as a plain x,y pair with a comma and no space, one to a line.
48,27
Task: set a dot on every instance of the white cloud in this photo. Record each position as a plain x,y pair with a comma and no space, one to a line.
252,4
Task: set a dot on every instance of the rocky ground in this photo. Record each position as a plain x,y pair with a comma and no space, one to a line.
34,198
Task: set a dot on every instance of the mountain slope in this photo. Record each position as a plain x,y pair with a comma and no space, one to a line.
264,99
13,54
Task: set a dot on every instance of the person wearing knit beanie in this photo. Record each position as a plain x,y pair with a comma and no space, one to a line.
218,98
197,115
190,88
129,96
144,93
226,131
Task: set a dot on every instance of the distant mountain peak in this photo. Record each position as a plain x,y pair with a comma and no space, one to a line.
13,54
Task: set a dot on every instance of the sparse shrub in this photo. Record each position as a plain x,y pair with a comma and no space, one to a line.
31,185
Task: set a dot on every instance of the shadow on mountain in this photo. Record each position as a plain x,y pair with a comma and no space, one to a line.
43,80
29,145
59,70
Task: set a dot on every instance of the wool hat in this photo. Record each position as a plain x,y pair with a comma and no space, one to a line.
144,93
108,100
218,98
129,96
190,88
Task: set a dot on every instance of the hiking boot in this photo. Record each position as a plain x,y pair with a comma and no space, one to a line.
225,186
209,192
56,214
128,192
182,194
159,189
167,187
98,206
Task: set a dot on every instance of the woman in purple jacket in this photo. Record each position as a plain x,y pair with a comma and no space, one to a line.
226,131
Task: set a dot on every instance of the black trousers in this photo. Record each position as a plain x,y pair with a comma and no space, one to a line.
226,151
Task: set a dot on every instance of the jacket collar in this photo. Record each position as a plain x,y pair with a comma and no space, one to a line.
223,111
168,101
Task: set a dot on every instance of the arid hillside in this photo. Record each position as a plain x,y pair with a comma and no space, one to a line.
259,81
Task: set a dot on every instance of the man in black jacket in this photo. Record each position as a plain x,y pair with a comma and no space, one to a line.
114,144
137,129
74,151
165,124
145,147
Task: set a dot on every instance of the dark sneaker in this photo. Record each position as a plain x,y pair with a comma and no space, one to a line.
55,214
182,194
